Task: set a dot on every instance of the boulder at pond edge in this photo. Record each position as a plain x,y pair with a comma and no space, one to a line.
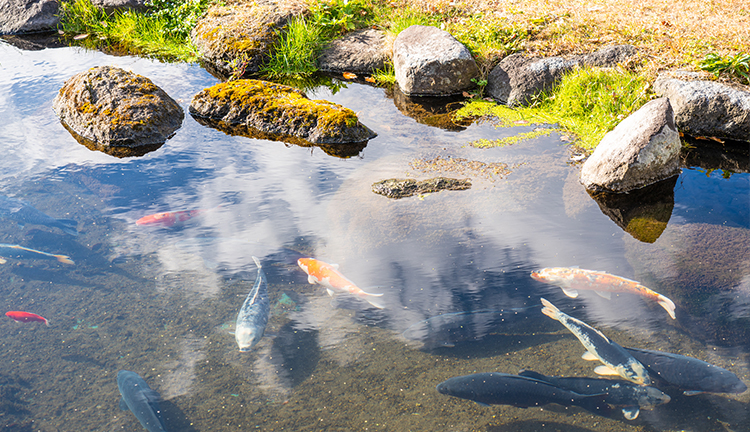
643,149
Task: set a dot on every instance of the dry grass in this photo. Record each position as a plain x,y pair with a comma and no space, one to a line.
671,34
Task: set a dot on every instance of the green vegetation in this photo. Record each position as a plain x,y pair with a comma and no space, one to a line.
161,32
503,142
588,102
737,66
295,51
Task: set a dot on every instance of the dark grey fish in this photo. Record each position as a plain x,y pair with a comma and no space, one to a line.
253,317
616,360
141,400
495,388
689,374
24,213
447,329
622,394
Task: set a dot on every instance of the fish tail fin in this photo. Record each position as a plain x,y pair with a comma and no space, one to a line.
596,404
64,259
257,262
549,309
69,226
375,300
46,321
667,304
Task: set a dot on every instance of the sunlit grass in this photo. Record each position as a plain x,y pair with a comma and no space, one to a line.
295,52
588,102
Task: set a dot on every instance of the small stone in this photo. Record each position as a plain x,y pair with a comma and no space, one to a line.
402,188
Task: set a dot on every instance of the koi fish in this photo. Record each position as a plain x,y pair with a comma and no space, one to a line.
167,219
616,360
253,316
495,388
17,251
689,374
327,275
627,396
573,279
26,317
24,213
141,400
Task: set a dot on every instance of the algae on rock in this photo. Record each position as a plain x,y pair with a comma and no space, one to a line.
271,108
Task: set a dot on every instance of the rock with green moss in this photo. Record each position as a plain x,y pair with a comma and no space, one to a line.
271,108
236,38
109,107
402,188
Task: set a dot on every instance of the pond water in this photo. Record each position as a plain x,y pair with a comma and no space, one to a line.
162,301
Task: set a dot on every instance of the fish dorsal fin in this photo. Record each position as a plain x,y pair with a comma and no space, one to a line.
631,412
257,262
482,403
3,260
588,356
151,395
123,405
330,292
575,267
570,292
692,392
605,294
311,279
335,266
605,370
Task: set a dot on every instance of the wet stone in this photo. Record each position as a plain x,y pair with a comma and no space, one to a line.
108,107
361,51
402,188
269,108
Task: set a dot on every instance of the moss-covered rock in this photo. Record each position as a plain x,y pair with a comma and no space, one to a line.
402,188
281,110
235,38
109,107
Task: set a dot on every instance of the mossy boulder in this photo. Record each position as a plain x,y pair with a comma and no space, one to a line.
236,38
276,109
109,108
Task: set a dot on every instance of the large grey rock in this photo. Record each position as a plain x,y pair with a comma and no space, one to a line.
517,79
706,108
643,149
360,52
430,62
27,16
610,56
271,108
111,107
238,38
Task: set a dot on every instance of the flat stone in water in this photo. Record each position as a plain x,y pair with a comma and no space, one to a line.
402,188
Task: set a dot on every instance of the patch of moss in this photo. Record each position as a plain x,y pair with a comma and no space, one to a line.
275,101
515,139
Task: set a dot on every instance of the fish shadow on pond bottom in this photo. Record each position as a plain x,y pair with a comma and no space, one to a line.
174,418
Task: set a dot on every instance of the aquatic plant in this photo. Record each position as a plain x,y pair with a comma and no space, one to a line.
588,102
737,65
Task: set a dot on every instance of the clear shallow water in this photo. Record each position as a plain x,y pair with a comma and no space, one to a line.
162,301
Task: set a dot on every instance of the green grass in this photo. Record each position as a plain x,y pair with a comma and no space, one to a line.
588,102
737,65
154,33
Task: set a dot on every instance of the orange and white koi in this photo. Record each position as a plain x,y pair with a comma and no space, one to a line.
327,275
167,219
573,279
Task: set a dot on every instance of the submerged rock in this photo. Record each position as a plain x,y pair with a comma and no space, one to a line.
238,38
361,52
706,108
269,108
643,149
111,108
402,188
430,62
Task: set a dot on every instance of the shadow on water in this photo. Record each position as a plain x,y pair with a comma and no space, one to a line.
431,111
343,151
642,213
536,425
730,157
175,419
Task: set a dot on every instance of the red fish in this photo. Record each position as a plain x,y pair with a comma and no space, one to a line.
326,274
26,317
167,219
